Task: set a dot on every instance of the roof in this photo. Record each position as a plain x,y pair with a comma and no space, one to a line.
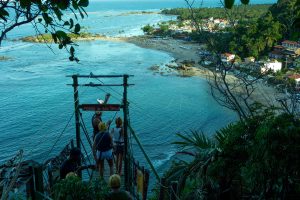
294,76
289,42
227,54
272,61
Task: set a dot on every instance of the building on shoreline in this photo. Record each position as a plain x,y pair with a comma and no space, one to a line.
227,57
291,45
296,78
273,66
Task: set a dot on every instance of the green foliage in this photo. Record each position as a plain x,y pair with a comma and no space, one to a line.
255,38
287,12
245,2
228,3
251,12
194,140
260,155
74,188
259,27
148,29
48,38
46,16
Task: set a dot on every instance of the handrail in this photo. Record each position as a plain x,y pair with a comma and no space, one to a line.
144,152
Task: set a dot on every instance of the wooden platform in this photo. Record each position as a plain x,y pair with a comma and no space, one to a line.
96,175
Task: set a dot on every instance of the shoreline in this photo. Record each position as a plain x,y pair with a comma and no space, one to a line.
185,63
183,51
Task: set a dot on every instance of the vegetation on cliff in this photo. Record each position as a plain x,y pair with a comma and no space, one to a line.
48,38
257,158
250,12
254,29
45,17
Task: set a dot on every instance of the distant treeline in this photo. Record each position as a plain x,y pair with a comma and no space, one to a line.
250,12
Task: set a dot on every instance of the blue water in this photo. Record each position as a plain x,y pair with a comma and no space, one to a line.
36,103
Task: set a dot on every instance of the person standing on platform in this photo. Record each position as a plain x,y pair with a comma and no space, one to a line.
118,140
71,164
102,149
96,119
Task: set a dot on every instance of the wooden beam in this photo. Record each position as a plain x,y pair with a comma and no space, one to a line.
100,85
100,107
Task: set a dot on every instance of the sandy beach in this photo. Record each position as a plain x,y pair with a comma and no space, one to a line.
183,51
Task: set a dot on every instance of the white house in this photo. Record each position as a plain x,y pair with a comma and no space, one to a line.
227,57
250,59
274,66
217,21
296,78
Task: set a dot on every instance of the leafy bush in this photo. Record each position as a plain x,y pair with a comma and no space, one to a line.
258,158
74,188
148,29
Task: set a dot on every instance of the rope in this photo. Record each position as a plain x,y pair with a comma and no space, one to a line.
176,196
84,160
83,126
43,195
60,135
145,154
88,158
41,141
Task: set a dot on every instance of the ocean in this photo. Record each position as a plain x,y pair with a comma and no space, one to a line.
36,102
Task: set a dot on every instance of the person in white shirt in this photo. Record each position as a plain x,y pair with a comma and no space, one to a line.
117,134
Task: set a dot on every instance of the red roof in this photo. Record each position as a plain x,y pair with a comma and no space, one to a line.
228,54
294,76
289,42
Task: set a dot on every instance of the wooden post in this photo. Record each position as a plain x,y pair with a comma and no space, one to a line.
30,185
173,190
162,189
125,112
38,181
146,184
135,171
50,175
77,115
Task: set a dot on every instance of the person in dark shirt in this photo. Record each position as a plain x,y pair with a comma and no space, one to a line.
102,149
116,193
71,164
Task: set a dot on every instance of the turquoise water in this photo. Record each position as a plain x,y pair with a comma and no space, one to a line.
36,103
